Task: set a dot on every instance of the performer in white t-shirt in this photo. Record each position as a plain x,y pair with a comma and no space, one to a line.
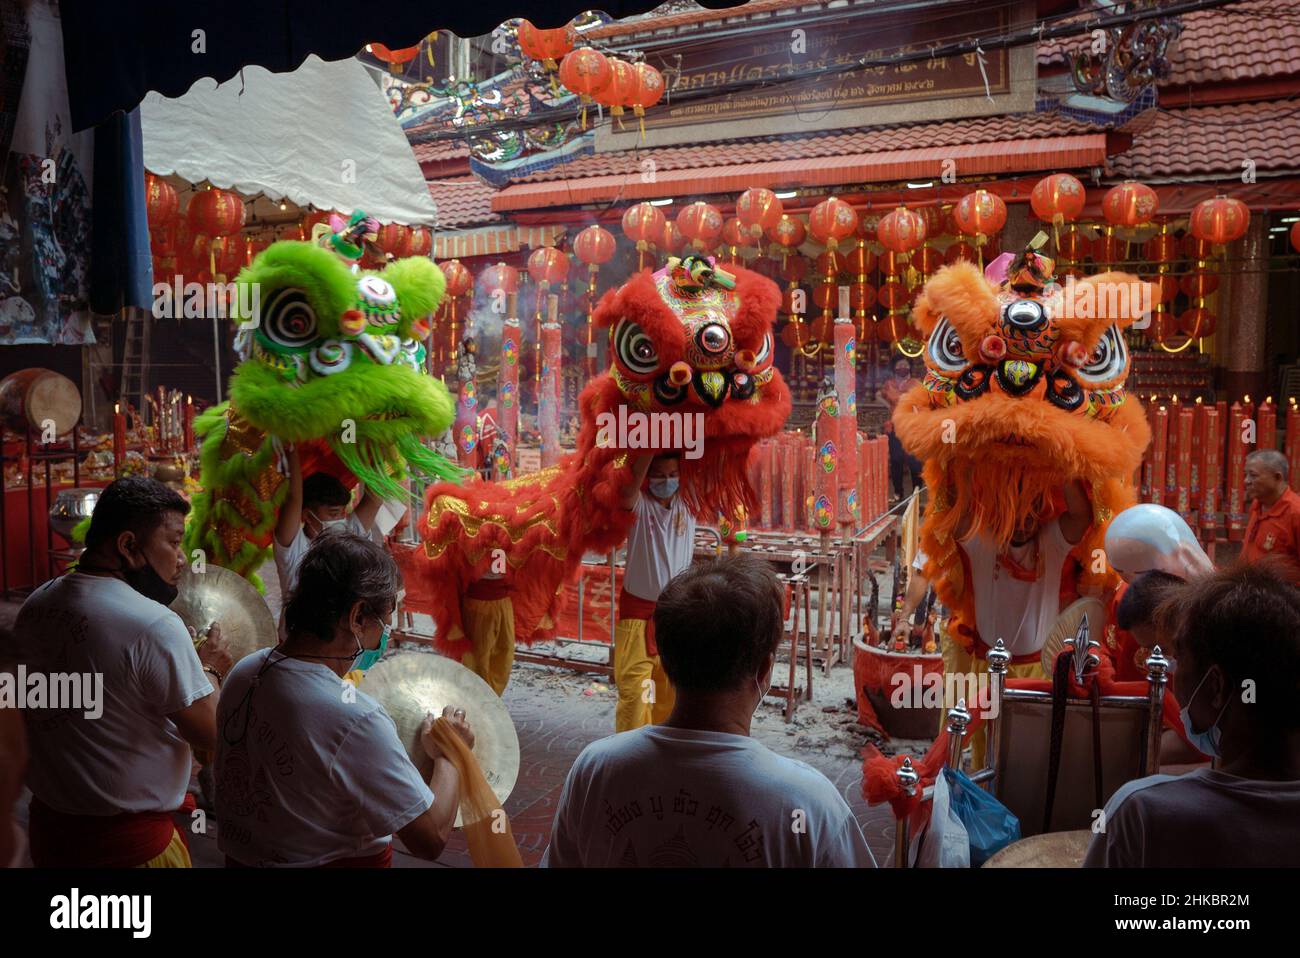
659,546
697,790
311,506
108,773
310,771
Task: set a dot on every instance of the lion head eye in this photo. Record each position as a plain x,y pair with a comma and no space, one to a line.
288,321
945,348
1108,360
635,349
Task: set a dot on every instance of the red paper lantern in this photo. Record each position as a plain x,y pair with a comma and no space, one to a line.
161,201
893,295
419,242
787,300
980,214
1167,287
1161,248
228,255
647,89
547,265
459,279
868,223
1220,220
549,46
1194,248
758,211
901,230
672,241
961,250
860,260
253,247
788,232
823,327
1199,284
894,327
643,224
162,241
796,335
595,245
1072,245
832,220
622,81
701,224
862,296
734,233
586,72
502,277
216,213
1058,198
1162,327
894,264
1295,236
831,263
794,269
826,296
392,238
927,259
1197,322
1129,204
1108,249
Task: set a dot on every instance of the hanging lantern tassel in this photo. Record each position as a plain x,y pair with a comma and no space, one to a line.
639,110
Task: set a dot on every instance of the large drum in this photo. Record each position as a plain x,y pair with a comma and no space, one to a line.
32,398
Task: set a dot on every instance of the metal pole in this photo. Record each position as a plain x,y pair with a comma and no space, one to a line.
216,354
998,658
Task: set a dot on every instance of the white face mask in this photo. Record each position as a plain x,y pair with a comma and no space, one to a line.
328,523
761,694
1206,742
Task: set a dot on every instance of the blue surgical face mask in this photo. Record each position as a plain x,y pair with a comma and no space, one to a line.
368,657
1206,742
664,488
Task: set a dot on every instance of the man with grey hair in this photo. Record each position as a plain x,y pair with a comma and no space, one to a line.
1274,525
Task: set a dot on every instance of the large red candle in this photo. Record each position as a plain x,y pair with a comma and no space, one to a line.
1266,425
512,350
1183,465
1293,442
548,402
1159,448
189,423
1148,455
1173,453
1212,474
1237,449
848,509
119,439
1198,451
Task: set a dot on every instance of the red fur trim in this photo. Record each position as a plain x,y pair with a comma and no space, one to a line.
760,298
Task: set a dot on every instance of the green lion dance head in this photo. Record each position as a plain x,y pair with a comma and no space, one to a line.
331,361
337,356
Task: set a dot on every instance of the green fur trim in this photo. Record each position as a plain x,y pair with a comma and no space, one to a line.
79,531
420,287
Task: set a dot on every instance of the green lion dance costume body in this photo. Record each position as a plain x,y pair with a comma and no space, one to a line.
332,362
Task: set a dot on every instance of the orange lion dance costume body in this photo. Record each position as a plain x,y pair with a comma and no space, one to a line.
685,340
1023,393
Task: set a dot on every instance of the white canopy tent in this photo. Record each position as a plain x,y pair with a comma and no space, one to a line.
322,136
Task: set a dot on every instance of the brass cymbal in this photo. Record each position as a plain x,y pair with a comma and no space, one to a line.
227,598
1053,850
1067,625
410,684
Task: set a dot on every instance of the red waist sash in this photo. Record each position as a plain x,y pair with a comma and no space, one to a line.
126,840
634,607
381,859
486,590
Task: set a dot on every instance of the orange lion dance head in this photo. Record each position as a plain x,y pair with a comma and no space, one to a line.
1023,392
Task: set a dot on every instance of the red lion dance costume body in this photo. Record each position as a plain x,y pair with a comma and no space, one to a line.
1023,393
682,341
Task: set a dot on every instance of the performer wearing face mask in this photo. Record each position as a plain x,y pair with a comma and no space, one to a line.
313,506
310,771
108,774
1236,639
659,547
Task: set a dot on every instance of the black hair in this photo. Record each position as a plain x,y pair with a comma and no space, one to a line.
716,622
323,489
1246,620
1143,595
133,504
338,570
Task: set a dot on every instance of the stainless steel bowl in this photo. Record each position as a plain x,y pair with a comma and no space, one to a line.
70,507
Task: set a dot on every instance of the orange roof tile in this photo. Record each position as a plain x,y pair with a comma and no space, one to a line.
1254,38
1212,141
462,201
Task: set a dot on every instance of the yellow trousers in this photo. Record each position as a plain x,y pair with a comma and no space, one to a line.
490,627
175,855
958,662
645,696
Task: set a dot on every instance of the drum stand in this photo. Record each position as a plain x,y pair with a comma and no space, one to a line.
49,454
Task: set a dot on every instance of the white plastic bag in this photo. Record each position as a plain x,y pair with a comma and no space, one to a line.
944,842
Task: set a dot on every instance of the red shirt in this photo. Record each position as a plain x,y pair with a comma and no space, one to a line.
1276,531
1119,643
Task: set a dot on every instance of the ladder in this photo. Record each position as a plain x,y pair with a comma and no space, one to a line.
135,360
